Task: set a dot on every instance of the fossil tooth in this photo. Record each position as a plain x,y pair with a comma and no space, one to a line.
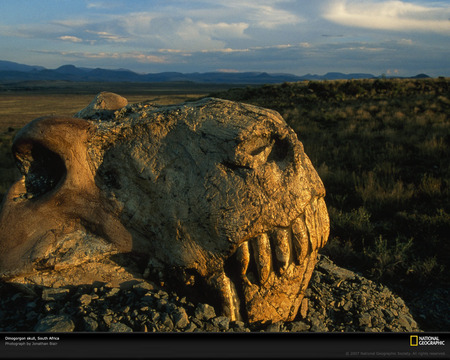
323,221
282,249
263,256
228,295
310,220
300,239
243,258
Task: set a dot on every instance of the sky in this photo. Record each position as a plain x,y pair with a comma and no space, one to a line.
300,37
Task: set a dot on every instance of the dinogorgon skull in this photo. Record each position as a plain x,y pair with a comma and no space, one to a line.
221,190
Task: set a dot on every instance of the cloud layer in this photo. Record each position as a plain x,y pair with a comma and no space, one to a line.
391,15
236,35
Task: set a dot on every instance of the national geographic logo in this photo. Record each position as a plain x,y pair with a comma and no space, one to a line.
416,340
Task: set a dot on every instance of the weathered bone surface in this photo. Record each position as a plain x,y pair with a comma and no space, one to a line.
218,191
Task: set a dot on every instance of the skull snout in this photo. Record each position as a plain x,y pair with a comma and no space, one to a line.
43,169
55,215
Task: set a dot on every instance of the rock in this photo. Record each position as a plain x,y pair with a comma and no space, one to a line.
103,105
365,320
276,327
407,322
221,322
192,189
304,308
55,323
119,327
357,304
326,309
108,319
85,299
166,321
180,318
54,294
144,286
204,312
190,327
90,324
112,292
297,326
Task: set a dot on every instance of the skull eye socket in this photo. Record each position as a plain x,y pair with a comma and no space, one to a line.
260,150
42,168
282,152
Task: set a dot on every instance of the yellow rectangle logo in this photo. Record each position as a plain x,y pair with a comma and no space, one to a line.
413,340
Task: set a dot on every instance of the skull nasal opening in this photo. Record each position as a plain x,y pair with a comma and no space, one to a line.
43,169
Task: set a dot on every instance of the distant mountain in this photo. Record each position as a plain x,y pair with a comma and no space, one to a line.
12,72
12,66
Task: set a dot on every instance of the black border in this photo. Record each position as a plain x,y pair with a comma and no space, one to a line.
81,345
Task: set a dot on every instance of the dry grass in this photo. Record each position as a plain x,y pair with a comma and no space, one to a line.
16,110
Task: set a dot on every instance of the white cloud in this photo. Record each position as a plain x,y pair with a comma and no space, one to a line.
108,36
71,38
405,42
390,15
260,13
101,5
137,56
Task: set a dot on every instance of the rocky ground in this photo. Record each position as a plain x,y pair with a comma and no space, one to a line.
338,300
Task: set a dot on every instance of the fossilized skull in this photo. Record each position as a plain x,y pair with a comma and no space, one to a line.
221,190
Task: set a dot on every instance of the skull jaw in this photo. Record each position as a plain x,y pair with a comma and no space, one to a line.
280,298
104,271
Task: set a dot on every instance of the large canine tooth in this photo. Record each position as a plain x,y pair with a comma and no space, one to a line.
228,295
263,256
282,248
323,221
310,220
243,258
300,239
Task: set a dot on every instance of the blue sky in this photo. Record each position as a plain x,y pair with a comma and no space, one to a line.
288,36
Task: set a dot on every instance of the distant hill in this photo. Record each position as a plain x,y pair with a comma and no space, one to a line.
13,72
12,66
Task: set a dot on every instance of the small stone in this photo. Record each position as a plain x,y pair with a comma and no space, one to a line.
54,294
297,326
304,308
155,316
119,327
161,304
90,324
238,325
166,321
107,319
55,323
204,312
49,307
365,320
347,306
170,308
276,327
144,286
221,322
112,292
406,322
85,299
190,327
180,318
